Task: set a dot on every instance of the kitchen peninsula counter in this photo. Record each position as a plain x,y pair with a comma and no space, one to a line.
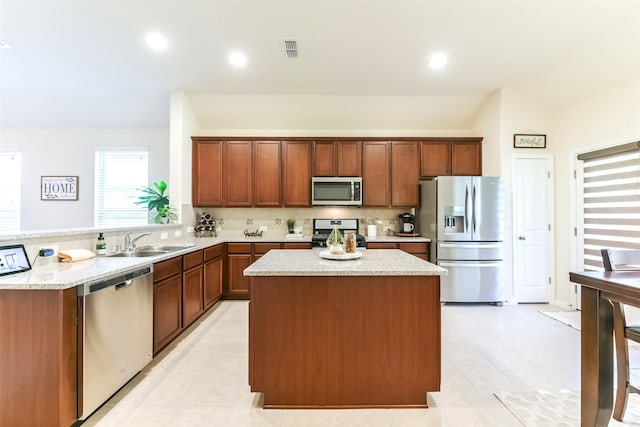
344,334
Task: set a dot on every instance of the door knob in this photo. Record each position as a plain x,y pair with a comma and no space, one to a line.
522,238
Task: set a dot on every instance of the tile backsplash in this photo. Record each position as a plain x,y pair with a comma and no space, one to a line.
275,219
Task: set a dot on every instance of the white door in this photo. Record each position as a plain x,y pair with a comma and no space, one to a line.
532,216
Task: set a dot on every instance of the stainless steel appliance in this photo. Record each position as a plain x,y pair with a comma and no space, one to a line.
464,216
336,191
117,338
407,223
322,228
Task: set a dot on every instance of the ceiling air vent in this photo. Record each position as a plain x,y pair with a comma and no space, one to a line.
290,48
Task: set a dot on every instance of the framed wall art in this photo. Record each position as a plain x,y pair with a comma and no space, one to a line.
59,188
523,140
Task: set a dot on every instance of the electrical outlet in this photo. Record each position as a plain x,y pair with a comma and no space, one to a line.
189,229
177,233
164,235
263,228
46,251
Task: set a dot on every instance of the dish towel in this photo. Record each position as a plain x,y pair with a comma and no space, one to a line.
73,255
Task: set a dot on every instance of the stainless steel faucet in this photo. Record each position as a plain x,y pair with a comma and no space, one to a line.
130,244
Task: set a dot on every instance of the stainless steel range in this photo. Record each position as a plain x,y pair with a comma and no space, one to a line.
322,228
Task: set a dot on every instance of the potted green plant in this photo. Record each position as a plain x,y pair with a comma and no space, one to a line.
335,242
290,223
155,198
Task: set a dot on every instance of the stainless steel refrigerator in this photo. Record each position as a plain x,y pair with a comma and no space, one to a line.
464,218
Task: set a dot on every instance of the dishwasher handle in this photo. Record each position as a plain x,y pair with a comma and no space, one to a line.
119,281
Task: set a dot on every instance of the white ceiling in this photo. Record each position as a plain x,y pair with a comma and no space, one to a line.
83,64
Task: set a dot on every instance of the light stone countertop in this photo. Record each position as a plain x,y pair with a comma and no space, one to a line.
374,262
59,275
66,275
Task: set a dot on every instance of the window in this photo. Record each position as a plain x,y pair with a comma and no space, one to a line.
611,189
10,182
119,175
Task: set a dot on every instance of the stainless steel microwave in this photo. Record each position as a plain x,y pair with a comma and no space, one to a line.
336,191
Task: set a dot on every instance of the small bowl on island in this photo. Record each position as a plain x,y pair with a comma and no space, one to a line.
336,249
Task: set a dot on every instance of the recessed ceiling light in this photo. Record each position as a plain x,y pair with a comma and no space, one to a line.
4,45
438,60
156,41
238,59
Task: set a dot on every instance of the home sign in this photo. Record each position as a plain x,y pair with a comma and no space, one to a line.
58,188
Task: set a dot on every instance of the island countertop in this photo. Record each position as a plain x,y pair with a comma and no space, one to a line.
374,262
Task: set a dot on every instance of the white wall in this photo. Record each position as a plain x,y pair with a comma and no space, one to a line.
517,115
71,152
488,124
608,118
184,124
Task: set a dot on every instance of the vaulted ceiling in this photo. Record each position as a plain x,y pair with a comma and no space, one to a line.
84,64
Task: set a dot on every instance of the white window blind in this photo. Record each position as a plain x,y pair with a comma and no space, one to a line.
611,189
10,183
119,175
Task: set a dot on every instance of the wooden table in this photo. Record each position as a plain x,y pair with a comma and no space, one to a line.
598,289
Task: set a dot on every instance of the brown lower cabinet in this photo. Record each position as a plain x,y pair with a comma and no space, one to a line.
213,273
184,287
419,249
241,256
167,302
192,291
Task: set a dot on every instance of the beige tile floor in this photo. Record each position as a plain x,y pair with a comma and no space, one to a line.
201,380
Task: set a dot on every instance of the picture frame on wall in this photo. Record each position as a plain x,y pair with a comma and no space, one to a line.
529,140
59,188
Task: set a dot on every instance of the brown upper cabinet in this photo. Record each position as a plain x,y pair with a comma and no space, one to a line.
266,174
405,173
451,157
375,173
296,184
435,158
272,173
337,158
237,173
466,158
206,180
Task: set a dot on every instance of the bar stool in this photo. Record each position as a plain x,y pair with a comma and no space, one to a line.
613,260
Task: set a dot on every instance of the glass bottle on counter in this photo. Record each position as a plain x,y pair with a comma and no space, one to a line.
350,242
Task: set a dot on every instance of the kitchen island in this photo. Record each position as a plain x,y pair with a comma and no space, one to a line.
341,334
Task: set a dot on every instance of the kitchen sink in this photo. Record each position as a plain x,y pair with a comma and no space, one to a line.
166,248
138,253
146,251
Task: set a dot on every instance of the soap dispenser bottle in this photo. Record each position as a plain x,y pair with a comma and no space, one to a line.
101,245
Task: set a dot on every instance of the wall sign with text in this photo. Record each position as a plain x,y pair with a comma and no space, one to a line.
521,140
58,188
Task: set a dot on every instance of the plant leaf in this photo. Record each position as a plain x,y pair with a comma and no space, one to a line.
161,186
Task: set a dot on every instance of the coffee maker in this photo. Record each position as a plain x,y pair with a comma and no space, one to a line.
407,223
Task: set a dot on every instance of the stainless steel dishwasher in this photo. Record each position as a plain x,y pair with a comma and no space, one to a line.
117,334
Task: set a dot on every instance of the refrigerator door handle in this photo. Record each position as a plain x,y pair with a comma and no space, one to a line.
467,208
475,208
468,246
470,265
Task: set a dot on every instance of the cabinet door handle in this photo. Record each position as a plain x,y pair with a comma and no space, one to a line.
522,238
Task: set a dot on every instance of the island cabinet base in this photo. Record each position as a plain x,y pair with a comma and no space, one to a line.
344,341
